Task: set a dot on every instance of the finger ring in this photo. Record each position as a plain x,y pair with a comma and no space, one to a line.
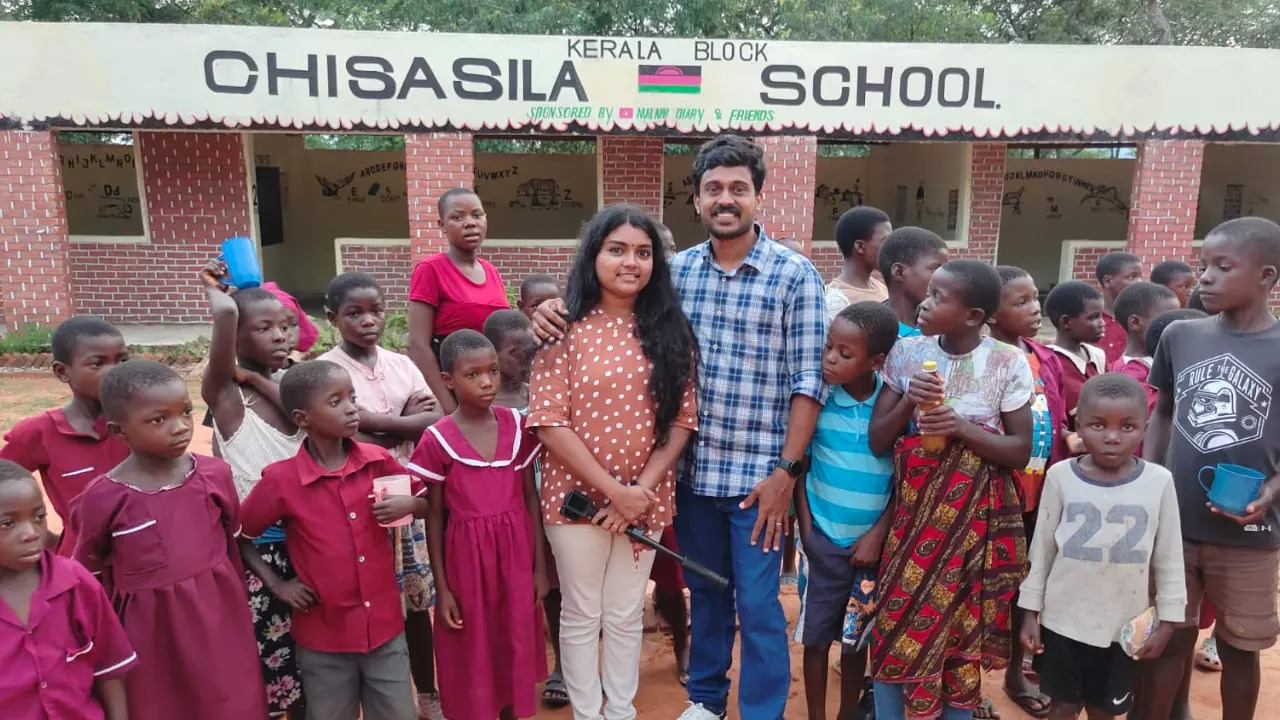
777,522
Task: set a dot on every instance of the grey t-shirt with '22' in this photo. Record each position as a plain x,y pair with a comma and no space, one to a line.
1224,385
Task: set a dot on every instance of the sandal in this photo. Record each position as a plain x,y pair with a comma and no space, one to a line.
986,711
1029,672
1028,702
554,693
1207,656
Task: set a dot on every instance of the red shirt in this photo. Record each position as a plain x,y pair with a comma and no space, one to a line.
337,547
460,303
1138,368
1114,338
66,459
72,638
1075,371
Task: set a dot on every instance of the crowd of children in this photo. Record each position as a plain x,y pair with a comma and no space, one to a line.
970,498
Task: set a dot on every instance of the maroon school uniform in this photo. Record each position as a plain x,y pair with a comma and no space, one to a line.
498,656
177,583
66,459
1076,371
337,546
1114,339
71,639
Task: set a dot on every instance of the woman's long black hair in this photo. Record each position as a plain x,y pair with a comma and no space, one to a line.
665,334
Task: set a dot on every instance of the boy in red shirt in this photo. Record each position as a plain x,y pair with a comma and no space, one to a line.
1075,309
69,446
1178,277
347,620
62,647
1116,271
1135,308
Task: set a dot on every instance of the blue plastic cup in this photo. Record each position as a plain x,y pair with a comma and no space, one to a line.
241,257
1232,487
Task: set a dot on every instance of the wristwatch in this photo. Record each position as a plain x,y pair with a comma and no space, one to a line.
791,467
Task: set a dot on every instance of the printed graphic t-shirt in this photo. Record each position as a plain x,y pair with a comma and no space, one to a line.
992,379
1223,386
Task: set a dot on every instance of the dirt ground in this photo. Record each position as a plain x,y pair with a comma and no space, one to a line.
661,697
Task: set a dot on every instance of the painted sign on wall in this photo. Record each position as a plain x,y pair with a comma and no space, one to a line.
309,78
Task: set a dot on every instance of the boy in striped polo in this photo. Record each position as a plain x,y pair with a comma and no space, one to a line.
840,504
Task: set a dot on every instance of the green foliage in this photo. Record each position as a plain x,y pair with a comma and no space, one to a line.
1235,23
540,146
354,142
26,340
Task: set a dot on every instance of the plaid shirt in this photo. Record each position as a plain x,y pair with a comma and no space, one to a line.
761,330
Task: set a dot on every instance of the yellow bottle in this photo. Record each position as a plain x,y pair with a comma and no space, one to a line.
932,443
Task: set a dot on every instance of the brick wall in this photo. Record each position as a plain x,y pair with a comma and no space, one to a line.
196,195
631,171
1162,209
34,278
1084,261
434,163
828,260
787,207
517,263
986,191
390,265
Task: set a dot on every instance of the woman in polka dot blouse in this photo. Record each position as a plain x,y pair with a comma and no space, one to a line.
614,403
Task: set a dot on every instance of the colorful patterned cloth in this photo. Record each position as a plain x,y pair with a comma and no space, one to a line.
955,554
859,619
272,620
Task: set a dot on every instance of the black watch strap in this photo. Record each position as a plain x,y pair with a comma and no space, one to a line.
791,467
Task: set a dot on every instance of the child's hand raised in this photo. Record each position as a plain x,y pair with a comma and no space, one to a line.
214,274
447,606
393,507
298,595
1030,635
926,389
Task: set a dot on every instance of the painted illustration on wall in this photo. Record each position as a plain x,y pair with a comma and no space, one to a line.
532,196
1106,198
543,194
1013,200
834,201
100,187
331,188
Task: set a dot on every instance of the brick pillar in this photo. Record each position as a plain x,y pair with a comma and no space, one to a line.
631,171
196,192
986,192
1162,209
434,163
35,277
786,210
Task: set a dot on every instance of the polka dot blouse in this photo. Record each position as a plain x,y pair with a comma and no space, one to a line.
596,381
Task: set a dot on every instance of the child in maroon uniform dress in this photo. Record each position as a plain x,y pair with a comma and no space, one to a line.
70,446
163,523
61,646
489,560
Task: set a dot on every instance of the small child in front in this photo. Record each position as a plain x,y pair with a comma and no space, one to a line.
347,620
488,558
70,446
160,528
840,505
1107,521
62,648
396,407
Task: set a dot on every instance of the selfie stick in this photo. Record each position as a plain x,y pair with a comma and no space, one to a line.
577,506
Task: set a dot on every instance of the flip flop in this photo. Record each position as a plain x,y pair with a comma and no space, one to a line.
554,693
1027,702
1207,656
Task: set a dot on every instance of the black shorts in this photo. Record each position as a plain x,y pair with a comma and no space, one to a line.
1078,674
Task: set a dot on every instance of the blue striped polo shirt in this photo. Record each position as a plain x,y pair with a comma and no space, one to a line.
847,486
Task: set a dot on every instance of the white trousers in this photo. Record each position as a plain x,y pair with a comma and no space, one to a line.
602,586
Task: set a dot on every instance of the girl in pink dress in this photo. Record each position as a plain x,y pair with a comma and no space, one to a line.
488,561
159,529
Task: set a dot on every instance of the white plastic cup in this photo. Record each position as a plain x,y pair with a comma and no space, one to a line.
392,485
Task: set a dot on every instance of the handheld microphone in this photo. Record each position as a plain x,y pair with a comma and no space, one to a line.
578,506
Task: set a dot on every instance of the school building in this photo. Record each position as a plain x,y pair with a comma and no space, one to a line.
129,152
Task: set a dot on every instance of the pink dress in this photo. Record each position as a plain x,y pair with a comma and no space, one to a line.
176,582
499,657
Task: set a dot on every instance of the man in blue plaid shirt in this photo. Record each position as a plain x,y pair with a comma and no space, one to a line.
759,315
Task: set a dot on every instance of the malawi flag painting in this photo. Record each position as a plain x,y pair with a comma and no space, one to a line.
680,79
